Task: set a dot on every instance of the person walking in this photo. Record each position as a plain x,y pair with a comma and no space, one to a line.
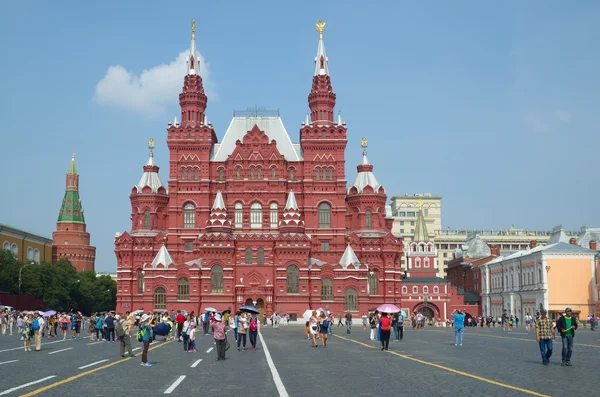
242,331
27,333
459,326
109,322
324,326
218,328
124,337
348,323
253,330
192,338
98,327
528,321
235,323
385,330
38,328
314,328
144,337
544,333
566,326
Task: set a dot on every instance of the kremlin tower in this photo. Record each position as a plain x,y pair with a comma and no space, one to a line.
70,240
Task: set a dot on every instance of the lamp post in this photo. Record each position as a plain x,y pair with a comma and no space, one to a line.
21,272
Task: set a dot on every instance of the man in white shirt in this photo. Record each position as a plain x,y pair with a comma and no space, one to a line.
38,334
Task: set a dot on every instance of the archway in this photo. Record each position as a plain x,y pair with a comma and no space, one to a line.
428,312
427,309
249,302
260,305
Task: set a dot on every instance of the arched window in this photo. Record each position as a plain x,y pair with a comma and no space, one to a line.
418,262
259,173
221,174
404,289
324,216
273,173
426,261
248,256
160,299
331,174
350,300
273,215
238,215
317,173
260,256
326,289
292,172
238,172
140,281
415,289
6,246
189,216
195,174
425,289
183,174
183,289
436,289
540,278
256,216
369,220
146,219
251,172
15,249
29,253
373,281
292,279
216,279
36,255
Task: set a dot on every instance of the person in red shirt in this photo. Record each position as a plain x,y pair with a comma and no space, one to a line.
385,327
180,319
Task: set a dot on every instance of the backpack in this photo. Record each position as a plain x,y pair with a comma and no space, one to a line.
140,334
119,330
325,325
253,325
36,325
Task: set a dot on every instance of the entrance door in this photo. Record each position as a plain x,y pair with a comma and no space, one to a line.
427,312
260,305
249,302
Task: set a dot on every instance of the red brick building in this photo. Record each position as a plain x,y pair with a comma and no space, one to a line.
71,240
256,218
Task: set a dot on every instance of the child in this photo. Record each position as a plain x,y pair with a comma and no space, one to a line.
192,338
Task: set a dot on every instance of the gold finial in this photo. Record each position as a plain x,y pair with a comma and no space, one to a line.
420,203
193,29
320,28
364,143
73,157
151,144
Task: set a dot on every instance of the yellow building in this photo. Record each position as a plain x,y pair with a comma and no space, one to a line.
24,245
553,277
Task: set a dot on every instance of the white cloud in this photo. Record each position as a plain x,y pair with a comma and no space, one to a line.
543,124
151,91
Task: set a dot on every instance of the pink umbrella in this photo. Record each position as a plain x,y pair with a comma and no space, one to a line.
388,308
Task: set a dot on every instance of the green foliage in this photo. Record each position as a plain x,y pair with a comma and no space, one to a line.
58,285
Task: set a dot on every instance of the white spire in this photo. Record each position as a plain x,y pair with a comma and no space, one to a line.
150,176
193,60
162,258
291,203
219,204
306,121
339,118
175,122
150,159
321,62
349,258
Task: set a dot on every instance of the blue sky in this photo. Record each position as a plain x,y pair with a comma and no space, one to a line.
489,105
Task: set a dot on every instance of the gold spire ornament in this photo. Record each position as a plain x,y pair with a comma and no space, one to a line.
420,203
193,29
151,144
364,143
320,28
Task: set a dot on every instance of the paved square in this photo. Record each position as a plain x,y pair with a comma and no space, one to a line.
491,363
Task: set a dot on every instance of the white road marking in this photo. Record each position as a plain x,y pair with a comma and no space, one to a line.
61,350
44,344
92,364
175,384
94,343
8,362
194,365
137,348
276,378
26,385
209,350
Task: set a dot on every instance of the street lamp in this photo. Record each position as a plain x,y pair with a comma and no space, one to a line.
20,273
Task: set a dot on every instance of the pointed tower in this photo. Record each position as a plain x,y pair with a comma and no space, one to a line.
218,221
291,221
71,240
149,198
422,254
366,199
190,144
323,143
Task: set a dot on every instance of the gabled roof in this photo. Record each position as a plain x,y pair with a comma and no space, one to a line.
474,247
162,258
558,235
271,126
588,234
365,176
349,258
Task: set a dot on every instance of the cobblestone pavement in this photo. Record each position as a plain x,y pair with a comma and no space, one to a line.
492,362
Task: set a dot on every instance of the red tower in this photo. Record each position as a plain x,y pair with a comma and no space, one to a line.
70,240
256,218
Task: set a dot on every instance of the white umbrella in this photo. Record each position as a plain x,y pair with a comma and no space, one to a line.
307,315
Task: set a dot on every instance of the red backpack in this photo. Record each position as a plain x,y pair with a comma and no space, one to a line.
253,325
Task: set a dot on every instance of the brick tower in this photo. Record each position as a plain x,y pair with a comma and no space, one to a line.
70,240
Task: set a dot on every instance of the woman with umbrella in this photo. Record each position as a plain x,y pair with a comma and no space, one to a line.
385,329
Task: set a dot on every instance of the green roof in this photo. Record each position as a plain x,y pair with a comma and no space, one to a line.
425,280
72,169
71,210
